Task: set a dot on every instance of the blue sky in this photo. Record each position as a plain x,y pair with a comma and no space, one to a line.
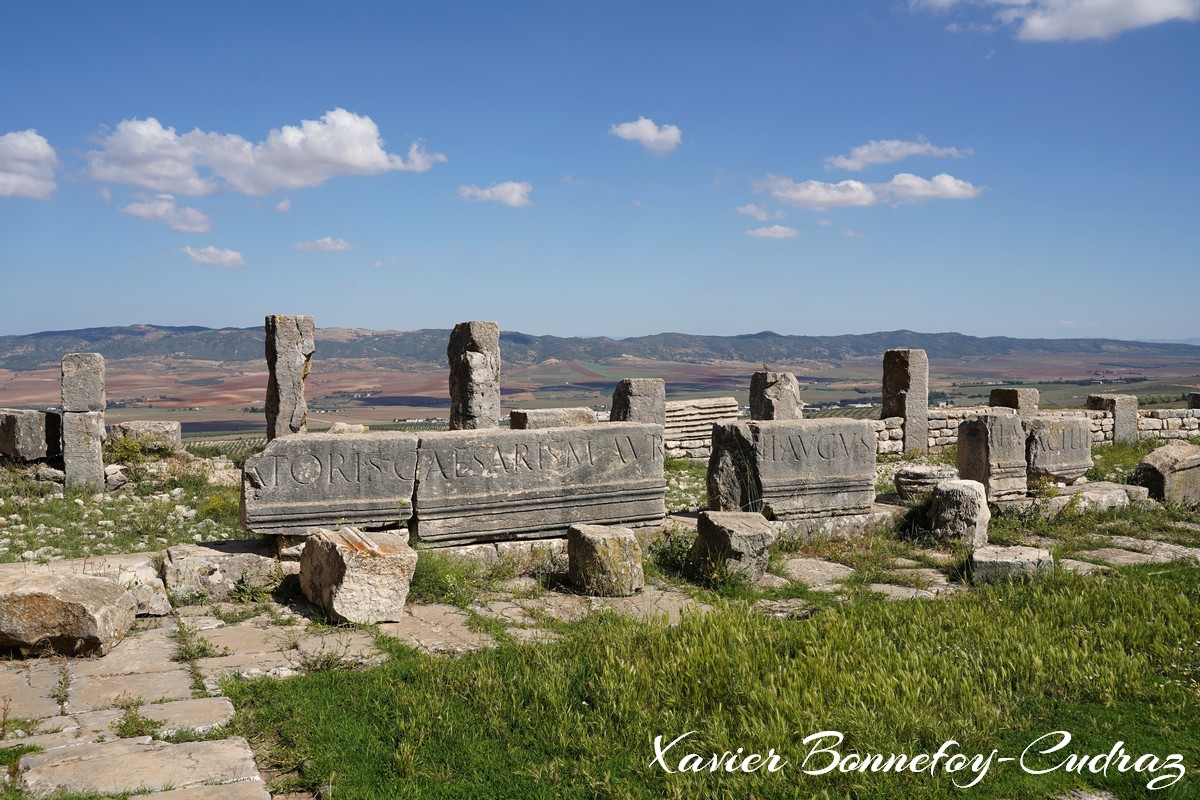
995,167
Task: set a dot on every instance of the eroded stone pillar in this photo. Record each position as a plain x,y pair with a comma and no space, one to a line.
474,356
83,402
775,395
290,346
906,394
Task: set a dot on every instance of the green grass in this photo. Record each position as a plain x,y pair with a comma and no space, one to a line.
686,484
996,667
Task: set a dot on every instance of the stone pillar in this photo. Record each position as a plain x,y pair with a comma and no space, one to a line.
1124,410
290,346
1194,400
640,400
1025,401
906,394
83,403
775,395
991,450
474,355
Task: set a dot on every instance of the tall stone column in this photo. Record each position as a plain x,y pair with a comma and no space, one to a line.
83,402
290,346
474,356
639,400
775,395
906,394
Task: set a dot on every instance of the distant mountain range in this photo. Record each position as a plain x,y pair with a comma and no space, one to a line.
427,348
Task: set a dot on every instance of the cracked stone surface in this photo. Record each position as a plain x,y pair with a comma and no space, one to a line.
816,573
1118,557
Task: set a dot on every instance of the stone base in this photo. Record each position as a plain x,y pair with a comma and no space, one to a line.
840,527
529,556
1093,496
994,563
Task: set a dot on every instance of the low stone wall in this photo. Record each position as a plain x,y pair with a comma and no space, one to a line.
1169,423
889,434
687,432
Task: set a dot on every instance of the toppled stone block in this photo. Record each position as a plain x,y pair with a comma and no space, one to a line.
359,577
534,418
323,480
347,427
27,435
991,450
639,400
737,540
136,572
1171,473
216,570
775,395
1059,448
1099,496
162,434
290,346
604,562
474,356
1023,401
793,469
75,615
906,394
959,511
1124,410
83,382
994,563
83,448
918,480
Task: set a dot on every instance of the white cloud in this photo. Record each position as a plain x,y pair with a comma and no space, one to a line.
326,244
851,234
146,154
510,193
655,138
753,210
774,232
105,194
215,256
1074,20
906,187
819,195
27,163
284,205
886,151
162,208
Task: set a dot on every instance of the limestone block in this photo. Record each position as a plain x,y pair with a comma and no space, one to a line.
775,395
290,346
959,511
163,433
991,450
534,418
214,570
1171,473
906,394
1024,401
994,563
604,562
639,400
83,382
347,427
474,356
66,614
83,448
357,576
914,481
791,469
1124,410
1059,448
737,539
27,435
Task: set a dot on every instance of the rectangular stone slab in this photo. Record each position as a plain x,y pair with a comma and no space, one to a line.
327,479
1059,448
480,486
793,469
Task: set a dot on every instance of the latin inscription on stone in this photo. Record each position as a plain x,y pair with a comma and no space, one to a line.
991,450
1060,449
477,486
329,479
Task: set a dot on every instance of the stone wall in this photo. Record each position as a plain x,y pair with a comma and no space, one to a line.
1169,423
688,429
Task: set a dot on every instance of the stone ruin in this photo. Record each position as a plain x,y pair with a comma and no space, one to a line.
290,346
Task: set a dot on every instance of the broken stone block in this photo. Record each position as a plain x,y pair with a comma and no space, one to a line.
215,570
906,394
991,450
1023,401
533,418
474,356
161,434
959,511
1124,410
915,481
27,435
73,615
994,563
83,382
1171,473
357,576
639,400
1059,448
604,562
290,346
347,427
775,395
738,540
